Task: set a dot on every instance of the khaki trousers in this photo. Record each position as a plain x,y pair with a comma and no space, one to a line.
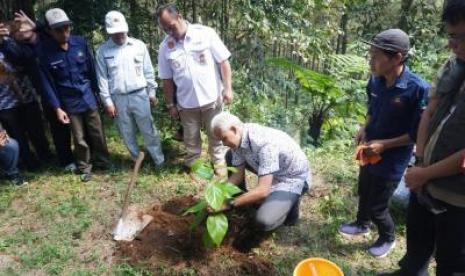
89,140
193,119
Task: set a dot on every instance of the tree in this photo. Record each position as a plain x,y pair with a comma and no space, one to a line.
8,7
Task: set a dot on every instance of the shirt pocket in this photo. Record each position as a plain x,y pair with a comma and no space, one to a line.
60,70
399,107
201,54
177,60
139,64
111,65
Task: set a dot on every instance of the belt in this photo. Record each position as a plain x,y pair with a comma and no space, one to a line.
137,90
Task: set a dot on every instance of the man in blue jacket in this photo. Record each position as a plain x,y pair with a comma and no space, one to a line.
70,87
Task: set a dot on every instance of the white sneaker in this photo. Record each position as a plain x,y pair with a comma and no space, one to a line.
71,167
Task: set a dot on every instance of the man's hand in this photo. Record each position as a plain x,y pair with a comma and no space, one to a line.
62,116
361,136
4,31
153,101
227,96
111,111
27,24
3,138
224,208
415,178
375,147
174,113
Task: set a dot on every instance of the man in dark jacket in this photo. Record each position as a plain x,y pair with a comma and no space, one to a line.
21,49
70,87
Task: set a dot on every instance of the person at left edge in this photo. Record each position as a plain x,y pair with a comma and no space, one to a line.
70,87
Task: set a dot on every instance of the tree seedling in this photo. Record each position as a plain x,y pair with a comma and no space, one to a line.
216,193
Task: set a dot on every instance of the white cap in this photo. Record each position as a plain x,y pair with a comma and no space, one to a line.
57,18
115,23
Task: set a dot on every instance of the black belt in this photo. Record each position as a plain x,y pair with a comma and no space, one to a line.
137,90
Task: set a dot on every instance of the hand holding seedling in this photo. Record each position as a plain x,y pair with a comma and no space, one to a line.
227,206
211,207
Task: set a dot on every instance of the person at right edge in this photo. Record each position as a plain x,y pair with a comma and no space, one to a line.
396,99
436,212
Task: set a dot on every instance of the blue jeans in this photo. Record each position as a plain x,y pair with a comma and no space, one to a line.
9,155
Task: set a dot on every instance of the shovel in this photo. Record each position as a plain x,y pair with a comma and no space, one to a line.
132,221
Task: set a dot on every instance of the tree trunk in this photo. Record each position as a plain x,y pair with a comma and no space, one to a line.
133,17
404,12
194,11
343,37
315,123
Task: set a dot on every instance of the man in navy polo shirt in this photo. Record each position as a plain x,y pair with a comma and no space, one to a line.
396,98
70,87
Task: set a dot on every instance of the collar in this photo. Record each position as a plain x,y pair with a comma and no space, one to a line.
73,41
189,30
245,141
112,44
188,35
401,81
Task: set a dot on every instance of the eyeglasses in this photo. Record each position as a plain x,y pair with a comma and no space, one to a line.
456,38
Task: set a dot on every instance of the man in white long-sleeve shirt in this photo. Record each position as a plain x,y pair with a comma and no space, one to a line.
127,86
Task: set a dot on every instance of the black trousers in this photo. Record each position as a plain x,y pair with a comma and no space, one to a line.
61,135
10,119
427,233
30,116
374,194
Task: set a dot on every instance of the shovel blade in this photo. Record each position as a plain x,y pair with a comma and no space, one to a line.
128,227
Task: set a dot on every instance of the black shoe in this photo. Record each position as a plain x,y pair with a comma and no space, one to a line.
86,177
17,180
104,166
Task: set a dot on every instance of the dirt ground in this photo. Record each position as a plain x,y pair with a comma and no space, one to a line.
168,242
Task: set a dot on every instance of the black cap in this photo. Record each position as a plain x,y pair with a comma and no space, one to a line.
392,40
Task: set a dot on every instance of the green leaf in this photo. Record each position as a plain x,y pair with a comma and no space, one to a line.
207,240
196,208
214,196
229,189
202,169
217,226
199,218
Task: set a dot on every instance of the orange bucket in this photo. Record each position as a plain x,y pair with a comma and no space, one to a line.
317,267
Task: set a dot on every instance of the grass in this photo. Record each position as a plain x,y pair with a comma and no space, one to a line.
60,226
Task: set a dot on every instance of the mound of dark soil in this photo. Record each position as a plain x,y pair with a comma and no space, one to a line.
168,242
